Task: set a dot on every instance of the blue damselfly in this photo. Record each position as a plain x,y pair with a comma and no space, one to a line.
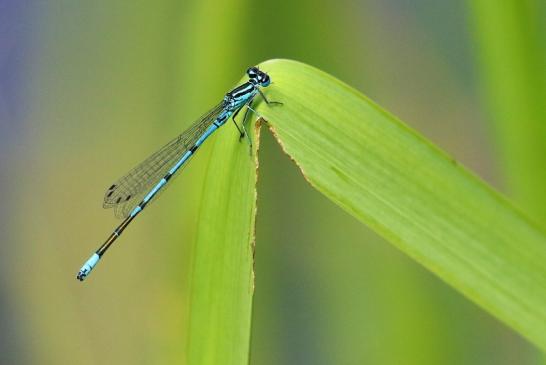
131,193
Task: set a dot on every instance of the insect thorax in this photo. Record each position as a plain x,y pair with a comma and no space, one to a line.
240,95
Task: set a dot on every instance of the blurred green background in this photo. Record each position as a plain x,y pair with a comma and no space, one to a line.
89,89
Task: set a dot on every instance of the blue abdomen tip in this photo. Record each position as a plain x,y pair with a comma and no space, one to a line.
87,267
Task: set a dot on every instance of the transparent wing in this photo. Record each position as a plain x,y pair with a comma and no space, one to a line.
129,190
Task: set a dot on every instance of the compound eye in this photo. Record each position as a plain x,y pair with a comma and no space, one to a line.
265,81
252,72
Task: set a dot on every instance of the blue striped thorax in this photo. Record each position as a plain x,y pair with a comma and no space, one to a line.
240,95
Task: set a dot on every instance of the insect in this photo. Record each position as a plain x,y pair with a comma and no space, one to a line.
134,191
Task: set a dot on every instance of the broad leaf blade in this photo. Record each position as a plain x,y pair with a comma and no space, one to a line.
222,281
413,194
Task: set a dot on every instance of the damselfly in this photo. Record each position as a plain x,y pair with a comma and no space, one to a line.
131,193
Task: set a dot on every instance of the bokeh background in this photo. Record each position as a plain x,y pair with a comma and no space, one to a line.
89,89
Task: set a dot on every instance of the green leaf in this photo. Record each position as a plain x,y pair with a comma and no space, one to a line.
414,195
222,281
384,174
